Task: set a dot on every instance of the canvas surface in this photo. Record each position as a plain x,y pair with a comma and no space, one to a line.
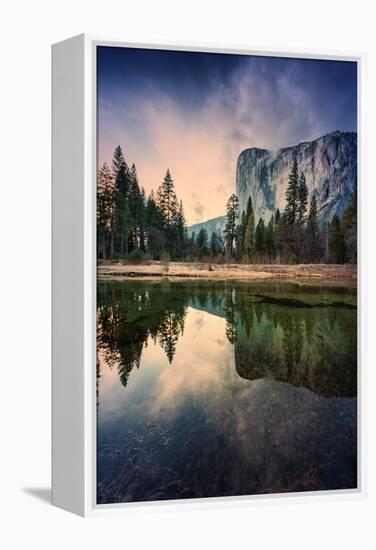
227,275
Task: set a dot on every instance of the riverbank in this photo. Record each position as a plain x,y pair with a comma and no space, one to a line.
193,270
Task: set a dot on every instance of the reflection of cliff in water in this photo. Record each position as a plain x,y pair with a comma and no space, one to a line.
309,342
314,348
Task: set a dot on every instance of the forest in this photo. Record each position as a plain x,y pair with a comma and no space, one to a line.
134,227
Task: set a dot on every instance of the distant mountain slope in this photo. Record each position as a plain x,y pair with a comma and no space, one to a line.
216,225
329,164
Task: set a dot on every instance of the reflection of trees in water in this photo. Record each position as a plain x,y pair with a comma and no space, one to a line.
314,347
311,348
335,361
169,331
98,375
230,315
128,314
292,346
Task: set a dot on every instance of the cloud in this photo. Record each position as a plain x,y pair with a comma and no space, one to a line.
198,208
196,369
258,106
219,188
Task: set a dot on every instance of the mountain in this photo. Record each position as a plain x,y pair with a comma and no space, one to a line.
329,164
216,225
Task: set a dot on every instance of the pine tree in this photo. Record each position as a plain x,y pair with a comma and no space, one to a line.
120,170
154,216
278,234
181,231
240,236
260,237
168,205
270,239
232,214
337,248
137,209
312,241
122,214
312,223
216,244
202,242
155,238
192,246
350,229
248,241
292,195
167,200
249,209
302,200
292,231
143,221
105,212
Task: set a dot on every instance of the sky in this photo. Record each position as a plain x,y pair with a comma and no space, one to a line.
194,113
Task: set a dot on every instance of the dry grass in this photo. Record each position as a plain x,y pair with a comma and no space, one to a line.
192,270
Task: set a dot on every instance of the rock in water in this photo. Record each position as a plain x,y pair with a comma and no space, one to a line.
329,164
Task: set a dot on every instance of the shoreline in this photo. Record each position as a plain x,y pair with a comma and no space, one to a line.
211,271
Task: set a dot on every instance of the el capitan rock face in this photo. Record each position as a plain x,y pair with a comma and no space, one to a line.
329,164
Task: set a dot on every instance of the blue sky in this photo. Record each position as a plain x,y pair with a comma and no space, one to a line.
195,112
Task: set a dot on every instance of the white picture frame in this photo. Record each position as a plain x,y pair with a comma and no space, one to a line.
74,277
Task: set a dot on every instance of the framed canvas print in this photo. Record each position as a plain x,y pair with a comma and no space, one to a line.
206,292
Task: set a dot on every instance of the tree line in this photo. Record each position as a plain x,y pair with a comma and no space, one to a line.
294,235
131,225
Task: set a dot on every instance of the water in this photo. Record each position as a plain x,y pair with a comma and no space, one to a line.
214,389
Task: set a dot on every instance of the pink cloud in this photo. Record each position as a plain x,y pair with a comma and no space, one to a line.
201,145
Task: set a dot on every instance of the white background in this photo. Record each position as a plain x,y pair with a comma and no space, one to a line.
27,30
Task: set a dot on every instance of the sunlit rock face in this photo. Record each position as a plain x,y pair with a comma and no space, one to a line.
329,164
